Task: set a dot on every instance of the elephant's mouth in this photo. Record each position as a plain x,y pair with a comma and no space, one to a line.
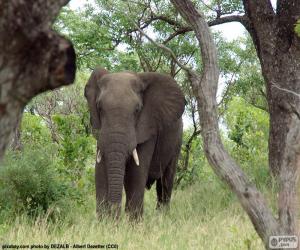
134,155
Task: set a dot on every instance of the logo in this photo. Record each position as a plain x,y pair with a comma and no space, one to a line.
283,242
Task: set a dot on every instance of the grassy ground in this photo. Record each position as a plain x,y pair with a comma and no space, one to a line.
203,216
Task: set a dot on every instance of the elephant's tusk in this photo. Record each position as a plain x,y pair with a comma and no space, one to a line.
98,156
136,157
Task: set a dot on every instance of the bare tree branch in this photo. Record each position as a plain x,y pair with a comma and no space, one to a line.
168,50
178,32
229,19
285,90
229,84
182,29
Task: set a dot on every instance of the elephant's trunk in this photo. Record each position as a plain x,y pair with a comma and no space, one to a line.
115,149
115,172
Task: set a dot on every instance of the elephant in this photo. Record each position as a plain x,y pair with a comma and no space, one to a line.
136,119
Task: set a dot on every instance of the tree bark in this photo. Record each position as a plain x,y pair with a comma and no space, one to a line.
16,143
278,49
287,129
33,58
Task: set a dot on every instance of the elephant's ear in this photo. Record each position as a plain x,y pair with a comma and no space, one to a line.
163,104
90,92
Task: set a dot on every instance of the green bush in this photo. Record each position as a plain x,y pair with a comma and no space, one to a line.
76,146
190,174
30,184
248,131
34,130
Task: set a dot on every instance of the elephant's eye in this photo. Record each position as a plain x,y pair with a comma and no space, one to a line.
98,107
138,108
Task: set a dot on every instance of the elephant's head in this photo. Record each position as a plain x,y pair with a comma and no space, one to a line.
128,109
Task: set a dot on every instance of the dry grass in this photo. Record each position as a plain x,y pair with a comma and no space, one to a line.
202,217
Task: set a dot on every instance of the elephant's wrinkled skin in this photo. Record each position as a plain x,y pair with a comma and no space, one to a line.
131,111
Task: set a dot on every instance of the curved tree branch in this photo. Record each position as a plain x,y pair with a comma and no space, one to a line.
168,50
224,166
181,29
229,19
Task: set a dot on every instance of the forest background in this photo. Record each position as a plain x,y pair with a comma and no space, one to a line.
47,178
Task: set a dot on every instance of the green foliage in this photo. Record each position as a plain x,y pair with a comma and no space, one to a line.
29,183
227,6
94,42
91,41
106,35
75,146
34,130
248,128
58,155
188,174
215,8
242,74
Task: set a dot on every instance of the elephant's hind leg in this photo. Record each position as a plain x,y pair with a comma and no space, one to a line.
164,186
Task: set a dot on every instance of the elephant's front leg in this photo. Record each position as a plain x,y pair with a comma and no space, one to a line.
101,188
135,179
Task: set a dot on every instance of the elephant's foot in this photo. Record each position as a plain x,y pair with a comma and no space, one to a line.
102,209
106,210
135,217
163,206
114,210
135,213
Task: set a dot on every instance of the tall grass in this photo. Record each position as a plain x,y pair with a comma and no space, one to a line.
203,216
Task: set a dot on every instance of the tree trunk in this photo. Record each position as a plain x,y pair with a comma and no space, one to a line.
16,144
284,110
284,140
278,49
33,58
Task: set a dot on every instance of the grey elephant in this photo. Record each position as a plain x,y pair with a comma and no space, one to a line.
137,122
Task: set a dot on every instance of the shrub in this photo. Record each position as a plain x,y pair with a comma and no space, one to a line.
34,130
188,174
248,131
29,183
76,146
